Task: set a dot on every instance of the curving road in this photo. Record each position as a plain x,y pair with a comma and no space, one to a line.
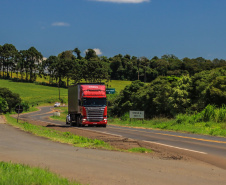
97,167
205,148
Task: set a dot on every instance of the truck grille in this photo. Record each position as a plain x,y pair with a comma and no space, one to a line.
95,114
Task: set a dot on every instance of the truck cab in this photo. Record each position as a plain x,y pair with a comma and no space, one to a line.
87,105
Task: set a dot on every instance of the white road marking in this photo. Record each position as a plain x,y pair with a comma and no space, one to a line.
101,132
175,147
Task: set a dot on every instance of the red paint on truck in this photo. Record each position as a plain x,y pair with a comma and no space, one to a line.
87,104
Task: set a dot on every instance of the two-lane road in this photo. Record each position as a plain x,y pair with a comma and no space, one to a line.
206,148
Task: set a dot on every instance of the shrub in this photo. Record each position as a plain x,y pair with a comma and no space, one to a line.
11,98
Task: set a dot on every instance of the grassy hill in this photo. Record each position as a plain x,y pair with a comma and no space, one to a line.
39,94
34,94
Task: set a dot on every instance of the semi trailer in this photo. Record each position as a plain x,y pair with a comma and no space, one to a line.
87,105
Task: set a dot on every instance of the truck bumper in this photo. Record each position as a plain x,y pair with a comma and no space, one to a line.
84,122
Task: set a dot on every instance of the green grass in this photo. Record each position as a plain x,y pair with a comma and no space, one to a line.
22,174
118,84
35,94
204,128
140,150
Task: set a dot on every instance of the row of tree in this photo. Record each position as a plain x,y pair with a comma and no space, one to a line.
72,66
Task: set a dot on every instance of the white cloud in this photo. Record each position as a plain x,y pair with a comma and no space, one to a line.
98,51
123,1
60,24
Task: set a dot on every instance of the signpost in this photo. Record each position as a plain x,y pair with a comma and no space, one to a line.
136,114
110,90
18,109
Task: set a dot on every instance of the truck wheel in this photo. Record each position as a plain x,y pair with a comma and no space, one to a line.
78,121
71,123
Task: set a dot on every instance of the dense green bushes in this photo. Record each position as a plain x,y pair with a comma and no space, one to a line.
169,97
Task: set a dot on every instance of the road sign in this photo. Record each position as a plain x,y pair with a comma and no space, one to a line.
110,90
18,109
136,114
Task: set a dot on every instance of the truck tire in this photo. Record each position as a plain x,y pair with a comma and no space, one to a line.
72,123
78,121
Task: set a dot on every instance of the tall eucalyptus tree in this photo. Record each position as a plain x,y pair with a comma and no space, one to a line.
34,58
9,52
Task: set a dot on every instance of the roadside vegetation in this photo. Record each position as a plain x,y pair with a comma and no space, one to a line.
66,137
63,137
22,174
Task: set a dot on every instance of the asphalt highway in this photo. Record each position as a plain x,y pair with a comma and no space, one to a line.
206,148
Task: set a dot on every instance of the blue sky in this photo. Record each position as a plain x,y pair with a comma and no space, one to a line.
185,28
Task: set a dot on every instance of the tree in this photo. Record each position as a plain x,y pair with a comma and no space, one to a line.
207,87
61,71
179,99
8,54
67,59
160,65
116,66
67,55
76,71
78,52
24,63
91,54
95,71
50,65
124,102
217,91
34,58
11,98
144,64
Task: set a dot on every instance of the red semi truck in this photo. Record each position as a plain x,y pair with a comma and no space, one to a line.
87,105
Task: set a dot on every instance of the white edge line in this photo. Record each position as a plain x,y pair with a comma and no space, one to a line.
175,147
101,132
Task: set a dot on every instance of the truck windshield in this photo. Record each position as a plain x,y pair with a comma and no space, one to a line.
94,102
